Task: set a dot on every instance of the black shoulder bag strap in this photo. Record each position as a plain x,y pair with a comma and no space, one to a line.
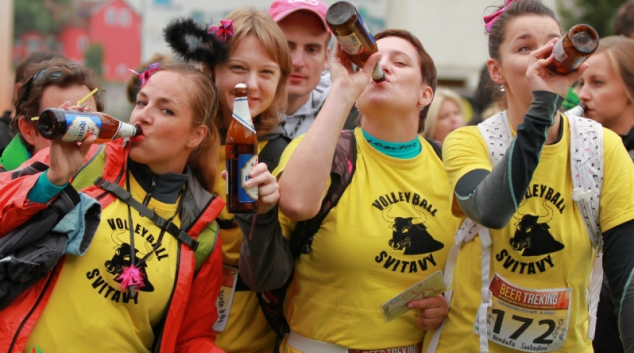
123,195
437,146
272,151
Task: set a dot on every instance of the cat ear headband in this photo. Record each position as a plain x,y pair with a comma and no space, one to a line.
194,42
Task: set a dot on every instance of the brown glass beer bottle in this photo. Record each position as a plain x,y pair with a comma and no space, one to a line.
74,126
355,38
573,49
241,147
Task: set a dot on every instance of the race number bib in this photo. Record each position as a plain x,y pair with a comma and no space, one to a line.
225,297
529,320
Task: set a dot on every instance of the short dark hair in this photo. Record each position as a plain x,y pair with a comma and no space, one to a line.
27,103
515,9
624,20
427,66
33,58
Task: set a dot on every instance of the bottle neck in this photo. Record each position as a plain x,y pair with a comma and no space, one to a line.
242,114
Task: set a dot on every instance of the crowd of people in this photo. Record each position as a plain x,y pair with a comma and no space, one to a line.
383,223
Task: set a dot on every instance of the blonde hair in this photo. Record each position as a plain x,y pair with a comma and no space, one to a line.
620,50
441,95
251,22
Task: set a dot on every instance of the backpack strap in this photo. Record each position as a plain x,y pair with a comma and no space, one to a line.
272,151
342,170
207,240
467,231
586,161
436,146
91,170
161,222
498,137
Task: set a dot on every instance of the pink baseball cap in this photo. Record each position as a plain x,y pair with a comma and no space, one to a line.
281,8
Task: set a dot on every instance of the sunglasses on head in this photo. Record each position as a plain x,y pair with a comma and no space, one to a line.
51,76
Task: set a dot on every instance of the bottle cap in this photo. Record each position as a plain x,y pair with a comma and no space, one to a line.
340,13
47,123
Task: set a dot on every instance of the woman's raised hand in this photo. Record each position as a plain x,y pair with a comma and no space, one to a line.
67,157
344,79
540,79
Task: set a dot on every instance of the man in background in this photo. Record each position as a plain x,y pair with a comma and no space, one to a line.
304,25
45,85
5,120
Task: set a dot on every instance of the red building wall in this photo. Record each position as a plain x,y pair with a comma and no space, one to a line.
75,42
117,28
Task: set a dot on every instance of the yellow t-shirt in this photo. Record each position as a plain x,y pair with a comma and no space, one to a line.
559,261
88,310
247,329
391,228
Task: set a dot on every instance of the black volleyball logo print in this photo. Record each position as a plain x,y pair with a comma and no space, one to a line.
122,257
410,234
532,235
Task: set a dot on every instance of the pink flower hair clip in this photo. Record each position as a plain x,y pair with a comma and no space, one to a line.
224,31
145,75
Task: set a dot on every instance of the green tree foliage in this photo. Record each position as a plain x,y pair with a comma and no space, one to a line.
597,13
43,16
94,58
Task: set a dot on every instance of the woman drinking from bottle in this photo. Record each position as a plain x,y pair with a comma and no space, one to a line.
150,278
547,201
390,228
259,58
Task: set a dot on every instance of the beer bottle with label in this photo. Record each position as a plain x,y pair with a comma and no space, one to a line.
355,38
241,147
576,111
74,126
573,49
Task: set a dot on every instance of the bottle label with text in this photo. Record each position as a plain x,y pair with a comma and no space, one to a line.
351,44
246,162
124,130
78,126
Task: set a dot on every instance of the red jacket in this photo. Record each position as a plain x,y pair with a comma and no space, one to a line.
192,310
